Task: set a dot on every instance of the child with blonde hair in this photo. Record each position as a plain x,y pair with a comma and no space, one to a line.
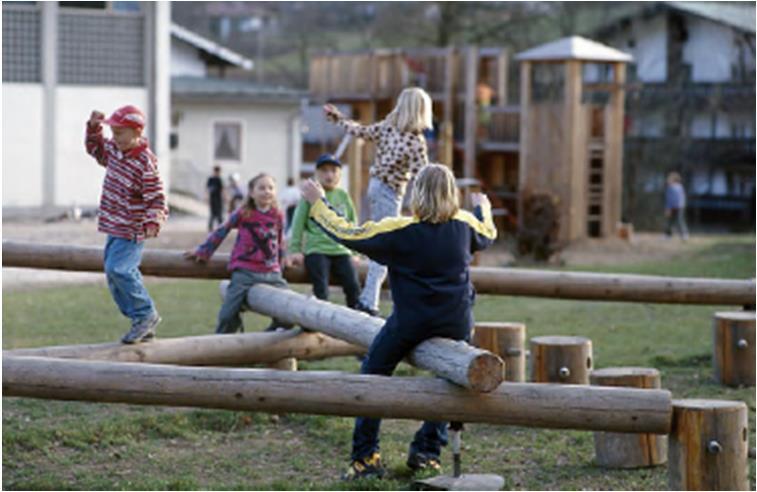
428,256
401,152
258,256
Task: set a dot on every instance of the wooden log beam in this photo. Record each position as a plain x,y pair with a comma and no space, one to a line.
499,281
336,393
455,361
208,350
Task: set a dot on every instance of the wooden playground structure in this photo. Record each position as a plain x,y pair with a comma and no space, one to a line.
706,440
562,135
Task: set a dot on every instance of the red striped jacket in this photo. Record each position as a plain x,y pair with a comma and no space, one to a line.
132,194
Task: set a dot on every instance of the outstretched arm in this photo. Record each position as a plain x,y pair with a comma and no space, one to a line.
214,240
94,142
370,132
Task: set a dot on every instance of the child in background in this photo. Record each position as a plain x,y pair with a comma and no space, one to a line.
236,193
322,254
400,153
132,208
215,192
258,253
675,207
428,257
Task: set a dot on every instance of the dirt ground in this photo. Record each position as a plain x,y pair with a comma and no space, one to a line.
186,232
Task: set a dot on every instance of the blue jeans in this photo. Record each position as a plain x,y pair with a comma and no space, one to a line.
122,258
383,202
390,346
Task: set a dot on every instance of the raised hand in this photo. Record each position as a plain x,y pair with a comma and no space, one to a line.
312,190
479,199
96,118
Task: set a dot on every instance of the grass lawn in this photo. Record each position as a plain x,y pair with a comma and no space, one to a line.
71,445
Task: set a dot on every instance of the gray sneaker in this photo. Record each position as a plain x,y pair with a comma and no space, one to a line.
143,330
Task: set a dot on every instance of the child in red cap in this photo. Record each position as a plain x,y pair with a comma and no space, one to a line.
132,208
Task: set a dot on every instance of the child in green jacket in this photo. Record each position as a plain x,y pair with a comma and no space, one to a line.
323,255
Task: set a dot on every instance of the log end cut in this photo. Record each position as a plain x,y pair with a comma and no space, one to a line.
486,372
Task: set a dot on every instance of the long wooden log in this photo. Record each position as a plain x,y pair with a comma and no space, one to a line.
500,281
456,361
335,393
208,350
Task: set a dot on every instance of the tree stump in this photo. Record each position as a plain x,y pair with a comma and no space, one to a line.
559,359
708,445
733,348
508,341
622,450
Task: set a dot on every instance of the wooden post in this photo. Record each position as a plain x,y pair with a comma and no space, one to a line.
708,445
355,165
508,341
338,393
561,359
499,281
734,353
207,350
502,77
446,137
471,111
525,137
621,450
456,361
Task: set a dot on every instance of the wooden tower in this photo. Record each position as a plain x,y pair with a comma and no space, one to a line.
571,132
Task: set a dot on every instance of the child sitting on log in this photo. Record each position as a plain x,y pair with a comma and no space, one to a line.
258,255
428,256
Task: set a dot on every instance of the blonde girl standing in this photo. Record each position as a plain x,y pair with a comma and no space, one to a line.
400,153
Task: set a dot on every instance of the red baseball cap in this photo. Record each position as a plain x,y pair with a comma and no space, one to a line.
128,116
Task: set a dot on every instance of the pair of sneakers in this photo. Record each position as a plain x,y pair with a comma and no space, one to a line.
371,466
142,330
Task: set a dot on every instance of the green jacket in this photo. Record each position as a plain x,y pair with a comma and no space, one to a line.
315,240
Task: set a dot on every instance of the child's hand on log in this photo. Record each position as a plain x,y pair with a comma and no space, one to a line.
192,256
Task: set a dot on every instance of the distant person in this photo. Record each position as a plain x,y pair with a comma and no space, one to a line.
675,207
258,256
324,256
401,152
236,193
215,192
288,199
132,209
484,95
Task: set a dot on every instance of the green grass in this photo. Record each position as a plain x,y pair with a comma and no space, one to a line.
73,446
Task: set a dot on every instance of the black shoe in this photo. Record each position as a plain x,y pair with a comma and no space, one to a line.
368,467
423,461
365,309
278,326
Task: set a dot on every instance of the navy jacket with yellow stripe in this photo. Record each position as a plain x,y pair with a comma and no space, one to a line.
428,263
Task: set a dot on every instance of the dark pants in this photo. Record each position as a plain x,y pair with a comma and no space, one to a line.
392,344
229,319
677,218
216,214
320,266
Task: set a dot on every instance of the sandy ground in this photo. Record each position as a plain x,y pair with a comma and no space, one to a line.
185,232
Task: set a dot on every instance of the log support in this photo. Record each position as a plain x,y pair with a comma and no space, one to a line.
708,445
620,450
558,359
733,348
506,340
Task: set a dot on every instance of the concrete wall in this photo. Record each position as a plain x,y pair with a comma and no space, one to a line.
22,145
78,177
271,142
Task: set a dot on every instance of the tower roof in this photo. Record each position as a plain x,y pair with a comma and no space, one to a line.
574,48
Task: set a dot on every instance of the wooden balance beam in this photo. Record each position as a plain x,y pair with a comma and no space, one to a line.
208,350
595,408
499,281
455,361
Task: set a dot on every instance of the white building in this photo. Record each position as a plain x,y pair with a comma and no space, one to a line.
244,127
690,107
60,62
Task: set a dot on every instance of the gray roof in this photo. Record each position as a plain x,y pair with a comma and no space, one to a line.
737,14
574,48
199,88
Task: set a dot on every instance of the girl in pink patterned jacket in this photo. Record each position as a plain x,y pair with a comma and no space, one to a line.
258,255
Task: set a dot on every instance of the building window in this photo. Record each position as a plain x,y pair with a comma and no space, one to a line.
227,141
21,43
